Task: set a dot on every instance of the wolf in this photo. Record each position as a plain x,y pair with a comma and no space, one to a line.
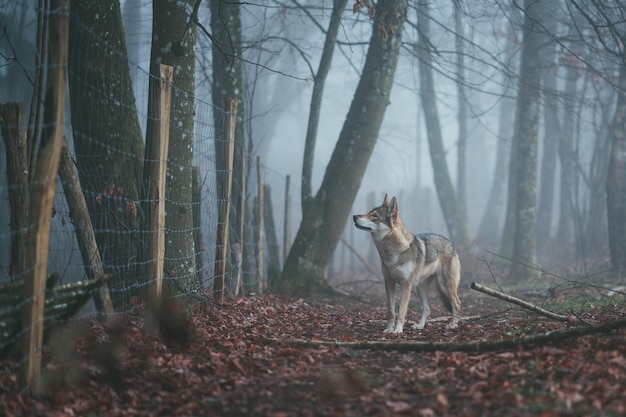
408,260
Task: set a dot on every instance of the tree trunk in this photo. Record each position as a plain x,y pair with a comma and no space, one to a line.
12,119
616,180
445,190
107,136
595,232
173,43
461,184
567,157
228,84
551,136
273,249
316,100
491,223
324,222
526,127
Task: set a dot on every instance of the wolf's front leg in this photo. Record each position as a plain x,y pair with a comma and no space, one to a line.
390,289
404,305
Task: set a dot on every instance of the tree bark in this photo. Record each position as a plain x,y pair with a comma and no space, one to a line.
174,43
616,180
526,129
107,137
323,224
12,119
445,190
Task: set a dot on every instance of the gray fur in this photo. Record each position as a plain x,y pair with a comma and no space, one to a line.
407,260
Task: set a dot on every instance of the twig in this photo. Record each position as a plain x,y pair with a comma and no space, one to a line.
475,346
359,257
521,303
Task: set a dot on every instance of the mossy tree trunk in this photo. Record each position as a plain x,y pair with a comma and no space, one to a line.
174,43
228,84
107,137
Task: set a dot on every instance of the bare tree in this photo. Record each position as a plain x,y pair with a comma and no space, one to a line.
316,102
605,20
524,158
320,232
551,129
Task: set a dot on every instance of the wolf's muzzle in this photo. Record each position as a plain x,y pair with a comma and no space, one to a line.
356,218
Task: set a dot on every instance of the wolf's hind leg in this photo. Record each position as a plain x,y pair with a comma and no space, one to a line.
422,292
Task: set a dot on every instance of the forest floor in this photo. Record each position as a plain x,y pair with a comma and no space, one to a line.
272,356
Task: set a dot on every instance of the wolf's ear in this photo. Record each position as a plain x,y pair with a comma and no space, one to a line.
385,202
393,210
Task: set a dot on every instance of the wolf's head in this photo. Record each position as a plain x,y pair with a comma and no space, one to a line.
381,219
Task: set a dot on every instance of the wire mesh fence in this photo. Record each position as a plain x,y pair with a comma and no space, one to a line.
108,126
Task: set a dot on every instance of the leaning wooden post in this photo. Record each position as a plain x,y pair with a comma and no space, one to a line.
287,221
260,281
41,194
85,235
156,191
225,179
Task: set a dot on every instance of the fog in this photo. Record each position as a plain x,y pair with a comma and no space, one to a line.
283,43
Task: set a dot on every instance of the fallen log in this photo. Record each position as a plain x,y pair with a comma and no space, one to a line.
478,346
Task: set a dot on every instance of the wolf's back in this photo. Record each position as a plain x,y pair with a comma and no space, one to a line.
436,244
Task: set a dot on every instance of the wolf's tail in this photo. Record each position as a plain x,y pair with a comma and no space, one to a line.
448,283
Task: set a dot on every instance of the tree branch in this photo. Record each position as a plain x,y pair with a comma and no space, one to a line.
521,303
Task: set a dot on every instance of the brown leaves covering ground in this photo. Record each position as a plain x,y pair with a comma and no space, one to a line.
231,367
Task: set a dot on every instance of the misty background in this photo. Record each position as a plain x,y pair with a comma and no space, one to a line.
282,42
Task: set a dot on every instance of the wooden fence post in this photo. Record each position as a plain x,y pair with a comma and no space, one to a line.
41,193
287,221
225,178
157,167
260,268
241,207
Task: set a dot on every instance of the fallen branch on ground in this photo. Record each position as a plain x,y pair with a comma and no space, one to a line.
521,303
475,346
